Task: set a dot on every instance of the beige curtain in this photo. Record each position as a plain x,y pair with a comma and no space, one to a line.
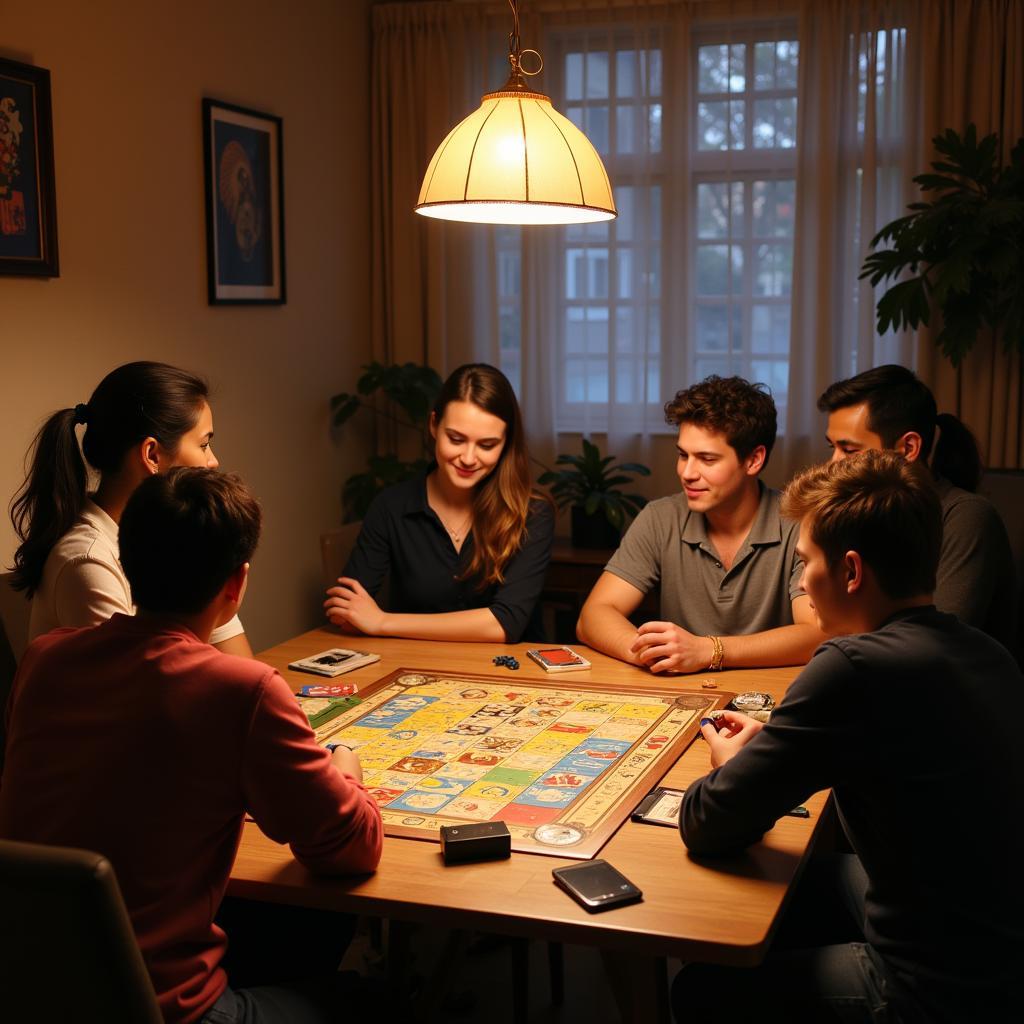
971,69
430,65
879,79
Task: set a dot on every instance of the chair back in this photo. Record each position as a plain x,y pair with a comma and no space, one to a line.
1005,489
14,616
67,949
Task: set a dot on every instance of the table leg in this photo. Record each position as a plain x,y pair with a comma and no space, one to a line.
640,986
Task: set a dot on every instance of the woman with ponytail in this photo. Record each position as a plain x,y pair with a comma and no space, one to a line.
142,419
464,549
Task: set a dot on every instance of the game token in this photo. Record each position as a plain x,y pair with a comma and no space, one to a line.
756,705
709,684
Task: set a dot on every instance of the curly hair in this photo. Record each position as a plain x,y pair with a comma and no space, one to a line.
743,412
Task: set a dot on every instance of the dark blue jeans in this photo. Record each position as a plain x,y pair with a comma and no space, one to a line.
817,970
282,964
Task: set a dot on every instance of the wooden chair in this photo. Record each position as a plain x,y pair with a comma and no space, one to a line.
14,614
67,949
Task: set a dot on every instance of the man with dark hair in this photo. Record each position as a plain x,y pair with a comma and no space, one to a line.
925,920
139,740
725,561
889,407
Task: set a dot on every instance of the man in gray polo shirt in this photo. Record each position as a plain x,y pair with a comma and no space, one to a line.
726,562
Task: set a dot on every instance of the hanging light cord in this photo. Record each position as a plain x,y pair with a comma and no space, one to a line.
517,78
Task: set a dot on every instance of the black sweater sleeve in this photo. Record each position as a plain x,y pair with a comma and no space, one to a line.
807,746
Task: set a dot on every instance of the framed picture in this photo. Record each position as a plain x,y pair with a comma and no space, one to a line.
244,205
28,198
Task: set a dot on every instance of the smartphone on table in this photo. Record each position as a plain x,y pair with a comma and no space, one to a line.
596,885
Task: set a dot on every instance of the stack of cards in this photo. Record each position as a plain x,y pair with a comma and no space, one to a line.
558,659
335,662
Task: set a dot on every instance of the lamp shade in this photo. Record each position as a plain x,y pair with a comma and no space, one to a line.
516,160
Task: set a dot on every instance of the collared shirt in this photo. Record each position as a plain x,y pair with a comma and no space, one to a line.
403,544
668,545
83,583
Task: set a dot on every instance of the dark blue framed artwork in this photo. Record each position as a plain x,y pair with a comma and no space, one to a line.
28,203
244,205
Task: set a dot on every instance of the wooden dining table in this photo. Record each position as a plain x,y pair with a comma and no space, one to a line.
722,911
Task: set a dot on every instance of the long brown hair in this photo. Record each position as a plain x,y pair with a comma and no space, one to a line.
501,504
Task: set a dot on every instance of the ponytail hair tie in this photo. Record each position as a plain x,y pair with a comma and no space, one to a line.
81,413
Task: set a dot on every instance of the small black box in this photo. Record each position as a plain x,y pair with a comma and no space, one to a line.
484,840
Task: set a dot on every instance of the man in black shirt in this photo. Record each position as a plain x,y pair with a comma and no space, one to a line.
908,715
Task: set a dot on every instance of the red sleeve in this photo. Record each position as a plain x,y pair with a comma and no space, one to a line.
297,796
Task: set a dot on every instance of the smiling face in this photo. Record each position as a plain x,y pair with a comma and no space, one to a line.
196,447
468,444
825,585
710,471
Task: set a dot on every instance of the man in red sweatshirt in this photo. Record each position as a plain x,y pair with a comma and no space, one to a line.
139,740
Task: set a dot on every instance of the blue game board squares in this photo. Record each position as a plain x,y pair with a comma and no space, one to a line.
422,801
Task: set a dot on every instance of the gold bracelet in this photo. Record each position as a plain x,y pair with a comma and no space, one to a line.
719,655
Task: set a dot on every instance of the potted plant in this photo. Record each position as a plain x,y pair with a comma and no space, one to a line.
409,393
965,248
591,487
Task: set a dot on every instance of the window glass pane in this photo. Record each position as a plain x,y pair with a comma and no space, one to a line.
575,274
720,124
625,196
624,258
775,374
653,70
769,333
626,341
764,66
625,129
713,276
597,75
764,124
785,123
654,127
597,274
575,330
654,216
574,76
653,332
787,62
626,77
575,380
597,330
595,120
626,380
720,209
721,68
651,278
774,208
773,269
713,328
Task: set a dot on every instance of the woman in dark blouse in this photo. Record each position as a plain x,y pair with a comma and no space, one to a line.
464,549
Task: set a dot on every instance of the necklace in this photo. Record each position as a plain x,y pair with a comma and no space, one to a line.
458,532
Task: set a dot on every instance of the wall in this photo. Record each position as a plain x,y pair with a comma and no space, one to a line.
127,80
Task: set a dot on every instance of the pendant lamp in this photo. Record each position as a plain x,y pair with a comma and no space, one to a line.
516,160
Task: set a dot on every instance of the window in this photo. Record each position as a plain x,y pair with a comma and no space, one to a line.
743,207
627,337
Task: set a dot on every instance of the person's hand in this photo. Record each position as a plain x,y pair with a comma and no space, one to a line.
666,647
346,760
735,734
348,604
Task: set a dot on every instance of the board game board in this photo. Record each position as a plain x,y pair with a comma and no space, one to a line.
561,765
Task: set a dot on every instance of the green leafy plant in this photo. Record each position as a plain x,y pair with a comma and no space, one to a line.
593,484
408,393
965,248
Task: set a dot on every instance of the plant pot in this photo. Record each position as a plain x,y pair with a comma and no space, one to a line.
593,531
